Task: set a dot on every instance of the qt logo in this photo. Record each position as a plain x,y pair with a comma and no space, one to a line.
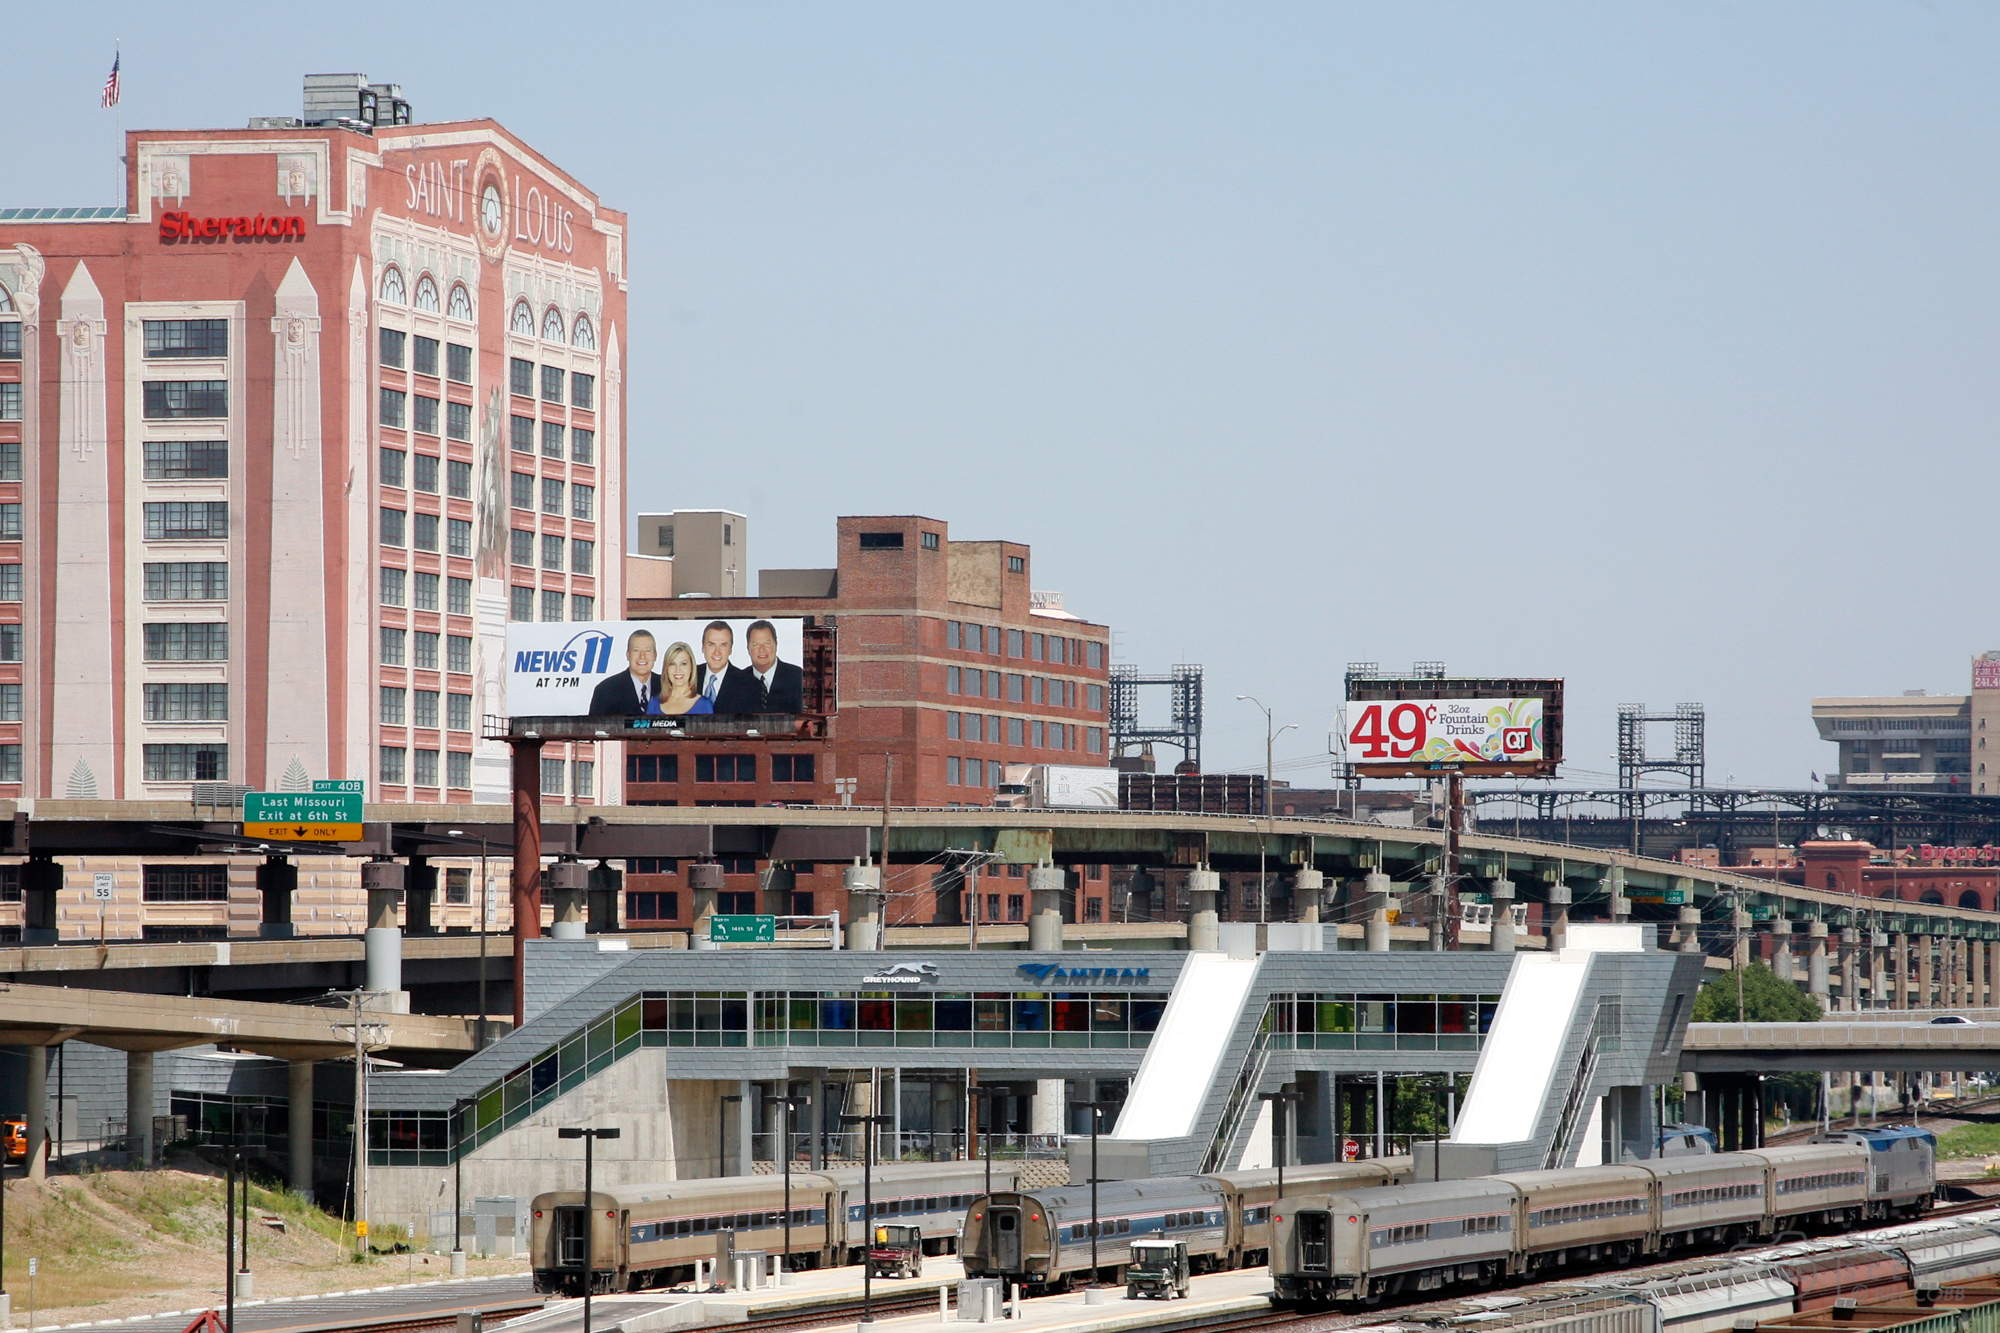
587,653
1516,740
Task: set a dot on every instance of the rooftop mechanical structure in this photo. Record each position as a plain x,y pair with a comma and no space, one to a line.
1183,730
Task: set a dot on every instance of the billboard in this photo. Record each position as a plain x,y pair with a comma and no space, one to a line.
1398,726
739,665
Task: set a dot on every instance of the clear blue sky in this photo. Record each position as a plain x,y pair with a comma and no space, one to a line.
1649,346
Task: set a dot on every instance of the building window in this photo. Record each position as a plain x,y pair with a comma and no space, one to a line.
951,680
392,705
425,419
10,402
424,532
458,479
1017,688
582,556
652,768
393,290
424,771
392,527
176,400
522,321
10,460
951,726
10,703
521,604
951,769
552,551
391,342
458,421
1094,739
520,377
185,763
10,643
391,413
1096,654
641,906
1017,564
184,701
393,467
187,338
930,541
552,777
552,606
583,390
10,340
458,770
1016,644
881,541
457,358
458,596
389,765
583,778
1093,909
552,496
951,634
552,326
458,712
725,768
424,650
185,460
583,446
394,643
582,501
427,295
521,548
1014,736
184,641
186,581
457,887
10,583
521,434
521,492
552,439
424,591
582,607
458,540
1040,734
552,384
424,473
1095,695
1015,905
459,304
458,652
424,354
792,767
184,884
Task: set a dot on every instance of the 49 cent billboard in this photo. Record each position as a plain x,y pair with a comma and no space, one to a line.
1484,727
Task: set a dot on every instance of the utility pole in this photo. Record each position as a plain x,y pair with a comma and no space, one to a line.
1270,738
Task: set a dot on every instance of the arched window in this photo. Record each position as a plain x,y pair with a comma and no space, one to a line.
461,303
393,290
427,295
6,302
1970,898
523,320
1832,882
584,336
1932,896
552,326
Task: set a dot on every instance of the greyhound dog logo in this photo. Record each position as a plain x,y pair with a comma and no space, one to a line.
905,974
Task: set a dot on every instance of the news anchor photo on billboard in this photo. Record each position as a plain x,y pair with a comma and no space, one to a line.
656,668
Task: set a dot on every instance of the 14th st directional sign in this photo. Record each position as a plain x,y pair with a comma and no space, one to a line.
302,816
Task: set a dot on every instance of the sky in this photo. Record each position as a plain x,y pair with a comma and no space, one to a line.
1648,346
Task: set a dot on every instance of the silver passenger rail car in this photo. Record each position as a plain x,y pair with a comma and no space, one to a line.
1042,1240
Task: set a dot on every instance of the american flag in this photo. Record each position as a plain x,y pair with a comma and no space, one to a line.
110,98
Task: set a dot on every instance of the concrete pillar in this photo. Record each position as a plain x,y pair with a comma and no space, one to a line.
1781,949
704,881
743,1111
383,882
1308,890
1049,1115
1045,923
420,895
1850,969
1993,973
298,1134
779,883
1502,938
606,886
37,1114
1204,926
139,1108
1899,971
277,881
1816,971
41,882
568,881
1926,970
1690,922
1559,896
1440,903
816,1121
1739,952
1975,968
864,906
1377,893
1617,905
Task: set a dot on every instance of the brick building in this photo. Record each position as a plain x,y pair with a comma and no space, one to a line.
950,670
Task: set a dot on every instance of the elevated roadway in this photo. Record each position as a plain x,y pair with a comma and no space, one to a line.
1836,1044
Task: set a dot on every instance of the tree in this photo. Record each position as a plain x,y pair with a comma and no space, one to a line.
1766,999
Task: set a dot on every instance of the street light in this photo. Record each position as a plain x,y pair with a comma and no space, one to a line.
1094,1108
479,1031
590,1138
1270,737
785,1155
1288,1093
867,1206
458,1110
986,1095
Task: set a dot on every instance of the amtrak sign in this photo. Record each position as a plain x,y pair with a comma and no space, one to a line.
1057,972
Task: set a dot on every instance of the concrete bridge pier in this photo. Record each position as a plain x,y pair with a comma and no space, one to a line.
1502,938
1993,972
1308,889
1816,969
277,881
1559,896
864,900
1781,949
1204,926
383,882
568,881
1848,960
1616,905
1690,922
139,1112
41,884
419,896
37,1112
298,1134
1975,968
704,881
1736,1110
1878,969
1739,922
1045,923
1899,971
1926,970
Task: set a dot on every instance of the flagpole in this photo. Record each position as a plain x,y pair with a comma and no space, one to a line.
118,105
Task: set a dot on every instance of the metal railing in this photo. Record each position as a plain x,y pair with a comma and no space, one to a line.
843,1147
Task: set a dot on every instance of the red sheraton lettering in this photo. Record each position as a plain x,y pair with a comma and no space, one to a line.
186,226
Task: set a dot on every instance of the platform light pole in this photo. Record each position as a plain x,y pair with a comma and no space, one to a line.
458,1110
1095,1108
867,1207
984,1095
1277,1100
785,1103
1270,739
590,1138
485,906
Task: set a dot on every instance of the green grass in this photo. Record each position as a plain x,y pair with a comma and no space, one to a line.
1970,1141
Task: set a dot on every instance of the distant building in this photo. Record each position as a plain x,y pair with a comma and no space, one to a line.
1917,741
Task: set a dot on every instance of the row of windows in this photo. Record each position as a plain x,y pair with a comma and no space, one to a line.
422,414
582,443
419,649
1026,644
423,708
187,581
186,520
582,778
643,1233
205,338
1592,1210
187,641
882,1011
1824,1180
185,763
419,590
521,605
423,473
187,701
582,498
1055,691
423,356
394,292
1694,1198
422,767
521,383
718,768
582,551
419,531
179,400
522,321
185,884
991,729
185,460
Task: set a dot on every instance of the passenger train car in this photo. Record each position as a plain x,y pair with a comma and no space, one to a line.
1361,1245
651,1235
1041,1239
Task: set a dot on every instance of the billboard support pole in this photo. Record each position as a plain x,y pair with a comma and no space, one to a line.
527,860
1454,822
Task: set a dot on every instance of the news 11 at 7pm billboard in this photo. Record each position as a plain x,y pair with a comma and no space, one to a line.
667,669
1399,726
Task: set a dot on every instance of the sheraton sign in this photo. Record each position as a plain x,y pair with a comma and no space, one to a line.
186,226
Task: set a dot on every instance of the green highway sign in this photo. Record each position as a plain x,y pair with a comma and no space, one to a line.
300,816
743,929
